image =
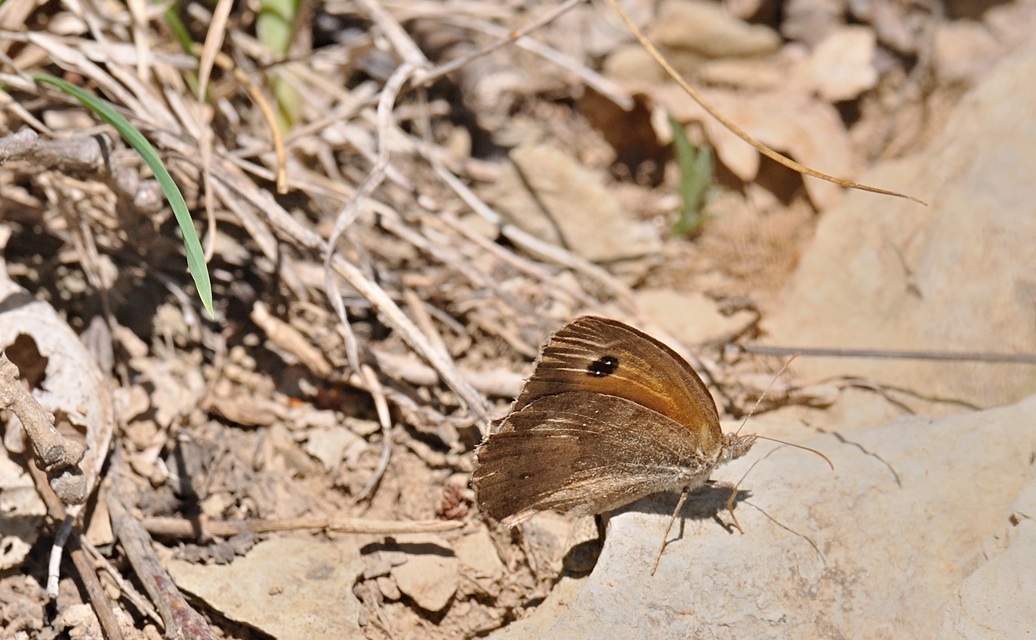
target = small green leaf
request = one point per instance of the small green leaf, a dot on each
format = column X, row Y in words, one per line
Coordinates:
column 696, row 175
column 133, row 137
column 274, row 27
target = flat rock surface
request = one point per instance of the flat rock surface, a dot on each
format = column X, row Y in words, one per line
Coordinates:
column 922, row 530
column 288, row 588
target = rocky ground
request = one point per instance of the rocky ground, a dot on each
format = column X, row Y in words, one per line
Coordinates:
column 295, row 475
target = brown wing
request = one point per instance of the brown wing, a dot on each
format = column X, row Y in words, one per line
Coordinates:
column 583, row 452
column 611, row 358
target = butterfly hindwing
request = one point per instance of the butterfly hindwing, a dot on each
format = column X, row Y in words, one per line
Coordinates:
column 559, row 453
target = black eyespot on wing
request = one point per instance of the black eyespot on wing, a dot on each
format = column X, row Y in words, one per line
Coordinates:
column 603, row 366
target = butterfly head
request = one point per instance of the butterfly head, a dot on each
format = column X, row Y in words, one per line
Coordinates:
column 735, row 446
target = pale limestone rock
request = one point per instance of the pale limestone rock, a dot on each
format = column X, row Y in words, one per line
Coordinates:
column 288, row 588
column 884, row 273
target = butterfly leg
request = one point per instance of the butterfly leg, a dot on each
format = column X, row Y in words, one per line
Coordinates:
column 730, row 508
column 665, row 536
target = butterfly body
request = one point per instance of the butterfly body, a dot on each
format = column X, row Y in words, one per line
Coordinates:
column 610, row 415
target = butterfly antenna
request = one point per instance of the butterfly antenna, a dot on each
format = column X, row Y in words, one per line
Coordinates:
column 733, row 493
column 798, row 446
column 765, row 391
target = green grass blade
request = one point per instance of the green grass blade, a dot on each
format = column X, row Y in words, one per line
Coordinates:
column 192, row 247
column 172, row 19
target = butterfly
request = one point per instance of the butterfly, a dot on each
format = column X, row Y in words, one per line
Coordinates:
column 610, row 415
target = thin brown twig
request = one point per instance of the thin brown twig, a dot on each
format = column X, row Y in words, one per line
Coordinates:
column 425, row 79
column 58, row 456
column 423, row 319
column 396, row 34
column 290, row 339
column 891, row 354
column 98, row 599
column 185, row 529
column 141, row 39
column 538, row 248
column 374, row 387
column 351, row 210
column 181, row 621
column 213, row 42
column 128, row 591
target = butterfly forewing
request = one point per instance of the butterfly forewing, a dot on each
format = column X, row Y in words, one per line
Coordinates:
column 610, row 358
column 559, row 453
